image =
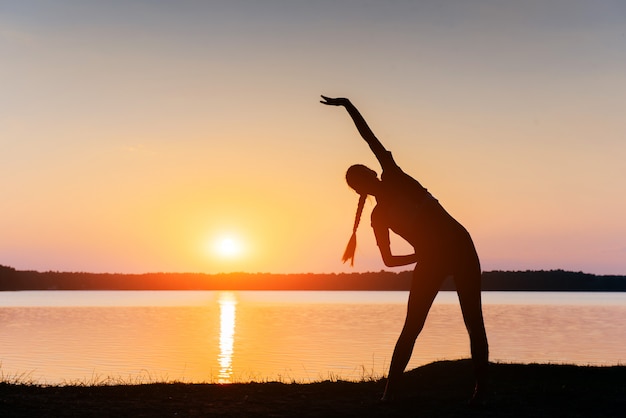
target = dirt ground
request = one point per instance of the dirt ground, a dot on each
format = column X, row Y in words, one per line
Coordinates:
column 440, row 389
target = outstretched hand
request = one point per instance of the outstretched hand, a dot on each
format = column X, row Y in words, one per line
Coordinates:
column 339, row 101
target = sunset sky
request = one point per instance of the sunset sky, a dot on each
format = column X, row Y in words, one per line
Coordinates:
column 137, row 135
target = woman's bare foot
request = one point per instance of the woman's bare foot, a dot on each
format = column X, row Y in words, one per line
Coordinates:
column 478, row 398
column 387, row 394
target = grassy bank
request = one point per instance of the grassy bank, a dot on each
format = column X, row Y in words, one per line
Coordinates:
column 439, row 389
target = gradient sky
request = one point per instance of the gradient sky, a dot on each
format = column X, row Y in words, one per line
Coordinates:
column 136, row 133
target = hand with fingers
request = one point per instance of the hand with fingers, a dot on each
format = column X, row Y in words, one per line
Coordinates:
column 339, row 101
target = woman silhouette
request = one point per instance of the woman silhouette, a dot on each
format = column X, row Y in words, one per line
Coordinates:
column 442, row 248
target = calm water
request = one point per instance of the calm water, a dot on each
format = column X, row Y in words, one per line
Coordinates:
column 201, row 336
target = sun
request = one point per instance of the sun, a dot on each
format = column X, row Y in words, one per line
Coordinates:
column 228, row 246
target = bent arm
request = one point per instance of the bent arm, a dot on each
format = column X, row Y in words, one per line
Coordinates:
column 391, row 260
column 384, row 245
column 366, row 133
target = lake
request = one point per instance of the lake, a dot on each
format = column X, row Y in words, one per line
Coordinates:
column 91, row 337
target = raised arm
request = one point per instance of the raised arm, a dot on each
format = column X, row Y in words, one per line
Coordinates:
column 366, row 133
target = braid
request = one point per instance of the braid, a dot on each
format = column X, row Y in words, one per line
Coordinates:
column 351, row 247
column 359, row 211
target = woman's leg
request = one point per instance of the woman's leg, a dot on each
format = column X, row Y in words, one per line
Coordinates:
column 424, row 287
column 467, row 280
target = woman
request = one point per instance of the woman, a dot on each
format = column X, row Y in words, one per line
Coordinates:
column 442, row 248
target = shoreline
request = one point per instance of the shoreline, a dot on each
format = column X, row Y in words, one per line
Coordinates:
column 539, row 280
column 436, row 389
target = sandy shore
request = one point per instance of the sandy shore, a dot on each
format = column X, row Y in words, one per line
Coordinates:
column 440, row 389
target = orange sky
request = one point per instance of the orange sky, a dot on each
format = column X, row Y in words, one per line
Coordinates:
column 135, row 136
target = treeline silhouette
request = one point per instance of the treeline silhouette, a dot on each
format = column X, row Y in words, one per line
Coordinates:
column 552, row 280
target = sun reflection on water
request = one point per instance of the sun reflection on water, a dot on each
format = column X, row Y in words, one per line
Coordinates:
column 227, row 302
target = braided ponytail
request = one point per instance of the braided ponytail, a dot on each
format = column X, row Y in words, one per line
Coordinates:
column 351, row 247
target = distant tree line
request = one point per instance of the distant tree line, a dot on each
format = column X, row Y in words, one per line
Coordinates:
column 552, row 280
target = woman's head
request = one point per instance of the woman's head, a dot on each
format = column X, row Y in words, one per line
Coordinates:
column 362, row 179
